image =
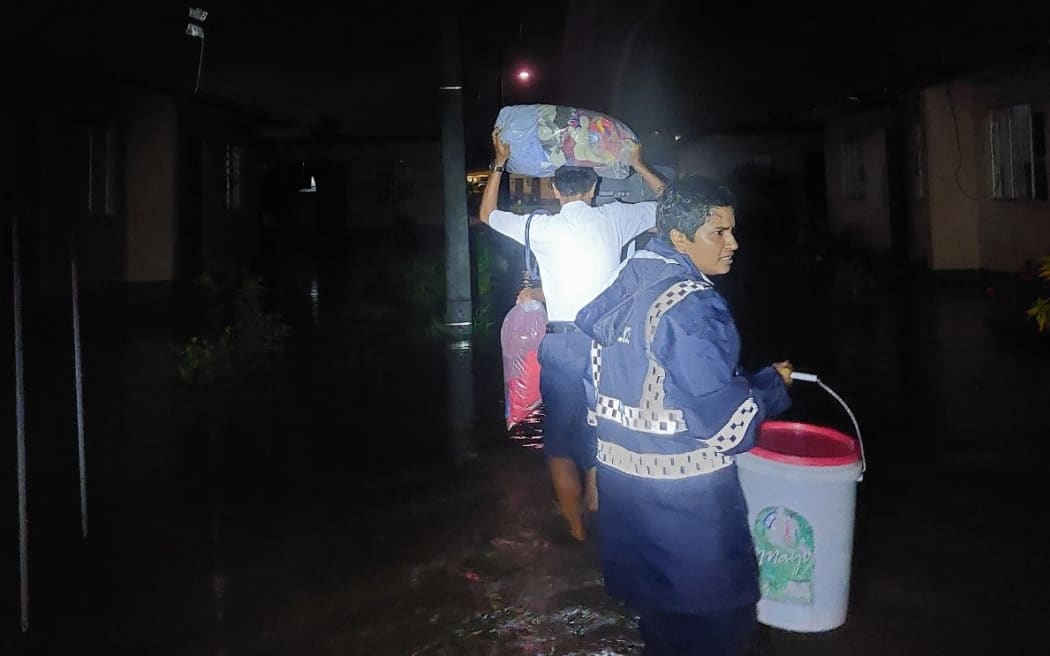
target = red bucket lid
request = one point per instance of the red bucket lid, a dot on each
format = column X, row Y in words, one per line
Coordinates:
column 805, row 444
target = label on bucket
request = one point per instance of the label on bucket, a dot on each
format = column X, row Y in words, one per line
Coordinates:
column 784, row 546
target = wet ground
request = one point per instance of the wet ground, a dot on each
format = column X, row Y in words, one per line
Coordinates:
column 366, row 499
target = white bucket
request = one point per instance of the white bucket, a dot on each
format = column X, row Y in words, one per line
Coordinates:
column 800, row 483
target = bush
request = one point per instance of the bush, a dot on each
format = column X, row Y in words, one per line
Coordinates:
column 238, row 334
column 1039, row 311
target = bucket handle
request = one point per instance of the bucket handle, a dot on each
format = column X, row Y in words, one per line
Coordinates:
column 812, row 378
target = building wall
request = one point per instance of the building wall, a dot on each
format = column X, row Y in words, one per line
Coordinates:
column 953, row 181
column 528, row 189
column 396, row 181
column 969, row 228
column 384, row 181
column 724, row 156
column 209, row 232
column 959, row 226
column 63, row 217
column 866, row 217
column 921, row 230
column 229, row 235
column 62, row 204
column 151, row 158
column 1009, row 231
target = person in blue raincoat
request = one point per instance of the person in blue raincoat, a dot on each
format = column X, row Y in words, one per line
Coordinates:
column 673, row 407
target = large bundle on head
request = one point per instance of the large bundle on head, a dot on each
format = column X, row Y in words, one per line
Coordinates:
column 545, row 137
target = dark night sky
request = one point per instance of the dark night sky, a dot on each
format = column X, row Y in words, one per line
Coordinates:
column 679, row 67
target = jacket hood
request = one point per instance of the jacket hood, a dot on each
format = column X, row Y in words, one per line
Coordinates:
column 607, row 315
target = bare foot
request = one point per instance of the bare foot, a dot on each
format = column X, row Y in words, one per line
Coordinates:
column 577, row 531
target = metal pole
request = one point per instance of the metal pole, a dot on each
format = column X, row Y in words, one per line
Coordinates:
column 458, row 310
column 20, row 420
column 78, row 370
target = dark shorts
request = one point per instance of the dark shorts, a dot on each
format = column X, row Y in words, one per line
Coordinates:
column 722, row 633
column 563, row 364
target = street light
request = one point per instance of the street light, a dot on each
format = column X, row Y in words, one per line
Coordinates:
column 523, row 76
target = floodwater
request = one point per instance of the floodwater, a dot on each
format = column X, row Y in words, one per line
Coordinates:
column 365, row 497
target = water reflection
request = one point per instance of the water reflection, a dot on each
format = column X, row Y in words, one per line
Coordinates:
column 217, row 547
column 208, row 540
column 529, row 431
column 315, row 301
column 459, row 358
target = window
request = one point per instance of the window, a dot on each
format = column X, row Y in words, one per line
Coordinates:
column 853, row 169
column 233, row 200
column 918, row 161
column 1018, row 149
column 102, row 170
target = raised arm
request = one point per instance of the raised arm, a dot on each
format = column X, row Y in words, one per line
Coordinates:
column 651, row 179
column 490, row 197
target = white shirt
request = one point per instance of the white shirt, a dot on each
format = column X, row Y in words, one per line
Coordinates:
column 578, row 248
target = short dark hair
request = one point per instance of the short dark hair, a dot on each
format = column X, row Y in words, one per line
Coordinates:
column 687, row 203
column 574, row 180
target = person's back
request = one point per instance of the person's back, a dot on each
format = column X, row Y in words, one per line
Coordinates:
column 577, row 250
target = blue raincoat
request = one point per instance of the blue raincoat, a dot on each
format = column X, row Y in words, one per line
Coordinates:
column 672, row 408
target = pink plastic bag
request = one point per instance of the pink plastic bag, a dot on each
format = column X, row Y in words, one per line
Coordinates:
column 523, row 328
